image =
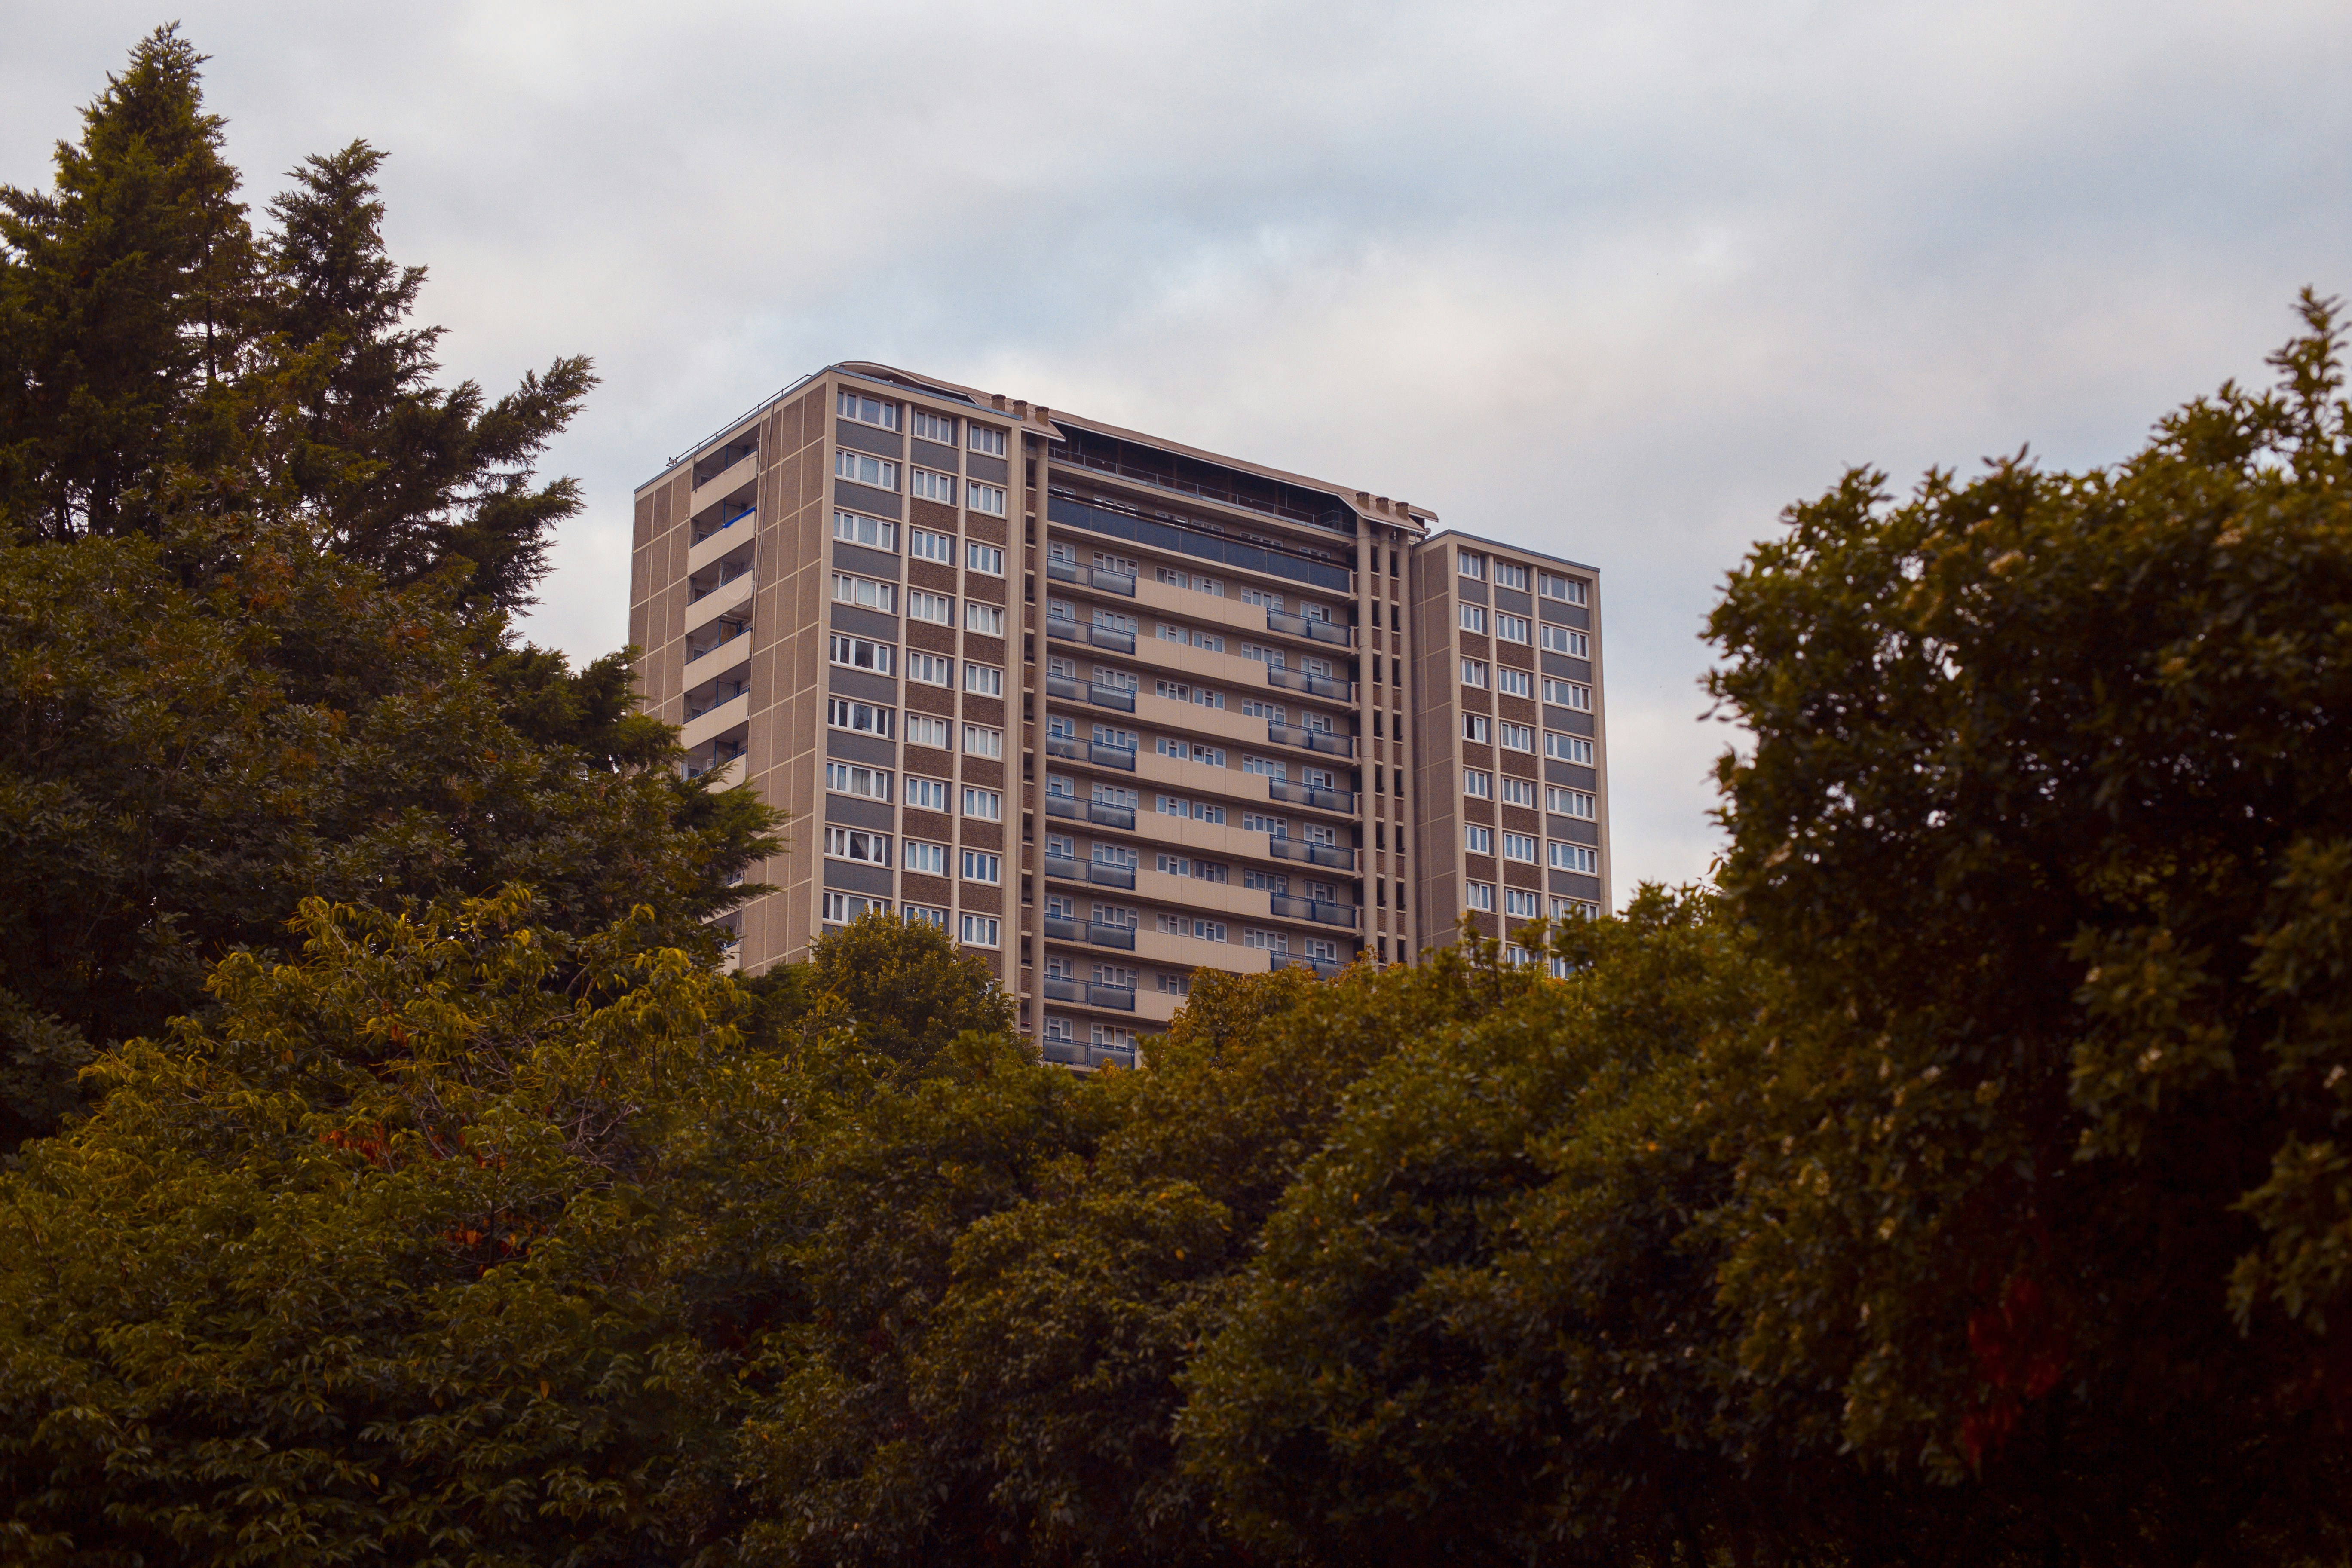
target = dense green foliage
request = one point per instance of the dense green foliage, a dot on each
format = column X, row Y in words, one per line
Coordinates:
column 253, row 572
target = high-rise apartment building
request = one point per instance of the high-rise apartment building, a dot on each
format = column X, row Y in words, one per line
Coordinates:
column 1108, row 708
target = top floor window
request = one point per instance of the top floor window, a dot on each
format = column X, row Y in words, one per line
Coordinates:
column 984, row 439
column 868, row 410
column 940, row 427
column 1473, row 566
column 1509, row 576
column 1568, row 590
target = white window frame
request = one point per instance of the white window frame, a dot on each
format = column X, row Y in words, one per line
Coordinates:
column 865, row 593
column 930, row 544
column 981, row 931
column 860, row 409
column 1479, row 896
column 858, row 718
column 985, row 439
column 987, row 559
column 1477, row 729
column 1509, row 627
column 1477, row 784
column 857, row 779
column 929, row 484
column 864, row 468
column 1474, row 673
column 1477, row 838
column 881, row 658
column 1474, row 619
column 981, row 740
column 984, row 679
column 983, row 867
column 845, row 844
column 929, row 669
column 983, row 804
column 938, row 428
column 883, row 534
column 983, row 497
column 987, row 620
column 926, row 786
column 921, row 603
column 926, row 730
column 924, row 856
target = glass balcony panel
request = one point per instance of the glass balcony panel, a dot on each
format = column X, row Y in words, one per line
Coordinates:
column 1120, row 997
column 1107, row 756
column 1103, row 935
column 1109, row 876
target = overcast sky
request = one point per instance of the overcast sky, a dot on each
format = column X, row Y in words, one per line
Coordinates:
column 1617, row 281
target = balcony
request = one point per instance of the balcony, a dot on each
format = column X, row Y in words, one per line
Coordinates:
column 1300, row 626
column 1103, row 874
column 725, row 577
column 1061, row 928
column 1062, row 686
column 1102, row 814
column 1095, row 577
column 1119, row 997
column 1059, row 988
column 1291, row 960
column 1062, row 806
column 1314, row 910
column 1101, row 636
column 1311, row 740
column 1065, row 867
column 1321, row 799
column 1313, row 685
column 1068, row 746
column 1329, row 855
column 727, row 632
column 1104, row 756
column 1120, row 697
column 747, row 514
column 1104, row 935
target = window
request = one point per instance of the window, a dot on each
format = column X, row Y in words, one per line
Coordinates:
column 927, row 794
column 1518, row 737
column 843, row 908
column 978, row 866
column 984, row 679
column 1519, row 846
column 1474, row 673
column 864, row 718
column 929, row 669
column 1521, row 904
column 1568, row 694
column 863, row 653
column 856, row 843
column 1518, row 792
column 1474, row 619
column 986, row 558
column 1254, row 709
column 1478, row 786
column 1117, row 975
column 1199, row 696
column 848, row 778
column 927, row 913
column 990, row 498
column 1117, row 565
column 1209, row 640
column 1175, row 985
column 1113, row 1036
column 1058, row 1032
column 1258, row 596
column 940, row 427
column 874, row 532
column 1272, row 658
column 985, row 804
column 1112, row 621
column 1514, row 682
column 1208, row 931
column 979, row 741
column 1174, row 805
column 1506, row 575
column 1477, row 839
column 1561, row 639
column 1271, row 826
column 1473, row 566
column 1480, row 895
column 1581, row 857
column 868, row 410
column 930, row 859
column 865, row 593
column 1265, row 941
column 1510, row 627
column 1112, row 736
column 1514, row 953
column 936, row 608
column 1568, row 590
column 1571, row 803
column 988, row 620
column 1265, row 766
column 1475, row 727
column 1199, row 584
column 861, row 468
column 922, row 729
column 984, row 439
column 981, row 931
column 1115, row 855
column 924, row 544
column 1562, row 748
column 925, row 485
column 1267, row 881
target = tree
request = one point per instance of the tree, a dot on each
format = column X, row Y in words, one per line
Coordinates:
column 2044, row 821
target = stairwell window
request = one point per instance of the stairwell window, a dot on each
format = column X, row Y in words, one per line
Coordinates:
column 864, row 468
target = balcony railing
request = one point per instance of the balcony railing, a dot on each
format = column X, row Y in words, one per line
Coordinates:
column 1316, row 910
column 1104, row 874
column 1120, row 697
column 1068, row 746
column 725, row 577
column 1097, row 577
column 1064, row 867
column 1062, row 686
column 1101, row 636
column 1300, row 626
column 1313, row 685
column 1104, row 935
column 1062, row 806
column 725, row 637
column 1323, row 799
column 1058, row 989
column 1104, row 756
column 1292, row 961
column 1105, row 814
column 1061, row 928
column 1120, row 997
column 745, row 515
column 1312, row 739
column 1329, row 855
